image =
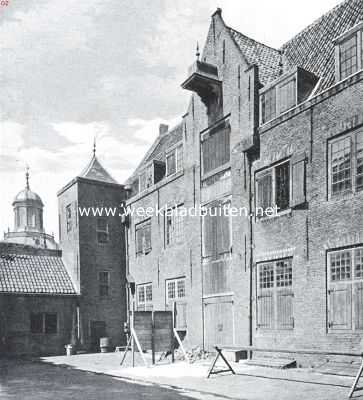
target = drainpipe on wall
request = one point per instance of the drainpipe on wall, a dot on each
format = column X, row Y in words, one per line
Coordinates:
column 250, row 330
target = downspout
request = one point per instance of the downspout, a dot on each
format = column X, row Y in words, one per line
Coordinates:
column 250, row 330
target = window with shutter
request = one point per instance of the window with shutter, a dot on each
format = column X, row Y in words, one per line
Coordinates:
column 275, row 295
column 282, row 186
column 215, row 149
column 216, row 236
column 273, row 188
column 345, row 289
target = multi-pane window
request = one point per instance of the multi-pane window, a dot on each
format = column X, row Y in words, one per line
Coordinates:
column 346, row 163
column 345, row 289
column 215, row 148
column 104, row 284
column 69, row 217
column 174, row 225
column 273, row 187
column 268, row 105
column 275, row 295
column 143, row 237
column 44, row 323
column 174, row 160
column 144, row 297
column 348, row 57
column 287, row 95
column 350, row 52
column 102, row 230
column 175, row 289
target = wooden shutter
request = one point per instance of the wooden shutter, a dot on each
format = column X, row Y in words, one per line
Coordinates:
column 265, row 309
column 147, row 237
column 285, row 316
column 223, row 233
column 358, row 305
column 340, row 306
column 139, row 239
column 297, row 174
column 209, row 235
column 264, row 190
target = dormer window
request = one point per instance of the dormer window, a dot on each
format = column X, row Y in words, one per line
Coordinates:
column 285, row 93
column 349, row 52
column 348, row 57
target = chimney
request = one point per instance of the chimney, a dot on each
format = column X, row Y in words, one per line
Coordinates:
column 163, row 129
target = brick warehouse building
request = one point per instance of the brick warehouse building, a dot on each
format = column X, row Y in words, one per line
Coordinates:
column 264, row 127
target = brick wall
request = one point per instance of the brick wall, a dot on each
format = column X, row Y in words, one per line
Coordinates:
column 307, row 234
column 80, row 247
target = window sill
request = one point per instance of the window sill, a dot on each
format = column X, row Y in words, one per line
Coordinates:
column 287, row 212
column 216, row 171
column 347, row 195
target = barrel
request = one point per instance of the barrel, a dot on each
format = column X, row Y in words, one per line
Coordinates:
column 105, row 344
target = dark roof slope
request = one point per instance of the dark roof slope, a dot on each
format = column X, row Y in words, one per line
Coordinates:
column 313, row 48
column 256, row 53
column 38, row 273
column 96, row 171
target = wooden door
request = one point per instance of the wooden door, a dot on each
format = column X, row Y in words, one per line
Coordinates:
column 97, row 330
column 340, row 306
column 218, row 324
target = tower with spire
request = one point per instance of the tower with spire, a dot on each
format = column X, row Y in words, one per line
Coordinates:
column 28, row 220
column 93, row 250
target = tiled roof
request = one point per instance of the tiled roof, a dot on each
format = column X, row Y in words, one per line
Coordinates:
column 96, row 171
column 157, row 150
column 34, row 274
column 259, row 54
column 313, row 48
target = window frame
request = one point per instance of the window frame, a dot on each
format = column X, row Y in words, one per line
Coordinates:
column 357, row 32
column 69, row 222
column 44, row 329
column 177, row 297
column 177, row 151
column 276, row 88
column 220, row 128
column 105, row 232
column 271, row 170
column 353, row 137
column 273, row 289
column 141, row 226
column 351, row 283
column 147, row 302
column 102, row 285
column 148, row 171
column 174, row 236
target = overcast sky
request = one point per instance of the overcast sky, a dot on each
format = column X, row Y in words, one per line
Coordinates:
column 74, row 69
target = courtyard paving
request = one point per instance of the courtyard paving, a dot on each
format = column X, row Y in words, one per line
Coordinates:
column 250, row 382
